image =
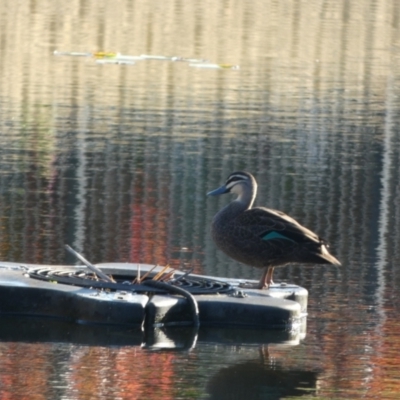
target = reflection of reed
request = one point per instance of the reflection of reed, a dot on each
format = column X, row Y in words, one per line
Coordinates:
column 312, row 47
column 154, row 190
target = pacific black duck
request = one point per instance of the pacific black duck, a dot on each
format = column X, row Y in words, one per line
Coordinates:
column 262, row 237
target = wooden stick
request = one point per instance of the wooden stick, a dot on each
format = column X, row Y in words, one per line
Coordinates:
column 94, row 269
column 160, row 274
column 168, row 275
column 137, row 279
column 183, row 275
column 147, row 273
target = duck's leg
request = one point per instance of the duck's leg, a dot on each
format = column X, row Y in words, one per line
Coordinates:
column 266, row 278
column 264, row 282
column 270, row 273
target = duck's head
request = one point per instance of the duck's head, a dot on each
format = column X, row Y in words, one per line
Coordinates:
column 241, row 183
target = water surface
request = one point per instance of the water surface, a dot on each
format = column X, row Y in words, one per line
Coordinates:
column 116, row 160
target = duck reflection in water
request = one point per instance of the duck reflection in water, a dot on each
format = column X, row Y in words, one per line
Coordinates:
column 261, row 380
column 262, row 237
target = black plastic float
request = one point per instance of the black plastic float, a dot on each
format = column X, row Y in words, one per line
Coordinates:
column 74, row 294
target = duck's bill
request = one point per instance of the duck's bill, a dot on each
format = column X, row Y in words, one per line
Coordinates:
column 221, row 190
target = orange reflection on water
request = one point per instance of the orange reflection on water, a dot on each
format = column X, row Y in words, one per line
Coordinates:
column 25, row 371
column 126, row 373
column 385, row 361
column 355, row 346
column 148, row 241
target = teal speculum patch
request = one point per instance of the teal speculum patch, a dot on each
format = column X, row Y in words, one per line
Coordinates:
column 275, row 235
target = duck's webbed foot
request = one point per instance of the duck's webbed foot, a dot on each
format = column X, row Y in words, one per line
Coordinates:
column 265, row 281
column 251, row 285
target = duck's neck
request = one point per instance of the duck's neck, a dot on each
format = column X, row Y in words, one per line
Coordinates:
column 246, row 198
column 242, row 203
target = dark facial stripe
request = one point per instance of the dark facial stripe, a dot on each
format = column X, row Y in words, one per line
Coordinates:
column 236, row 178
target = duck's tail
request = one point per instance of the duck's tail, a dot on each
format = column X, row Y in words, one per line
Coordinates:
column 320, row 255
column 328, row 257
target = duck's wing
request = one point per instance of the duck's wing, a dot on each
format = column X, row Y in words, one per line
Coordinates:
column 270, row 237
column 268, row 225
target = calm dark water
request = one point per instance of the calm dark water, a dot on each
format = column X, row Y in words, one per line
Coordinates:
column 116, row 161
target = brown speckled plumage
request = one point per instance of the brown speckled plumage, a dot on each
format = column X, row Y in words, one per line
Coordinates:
column 261, row 237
